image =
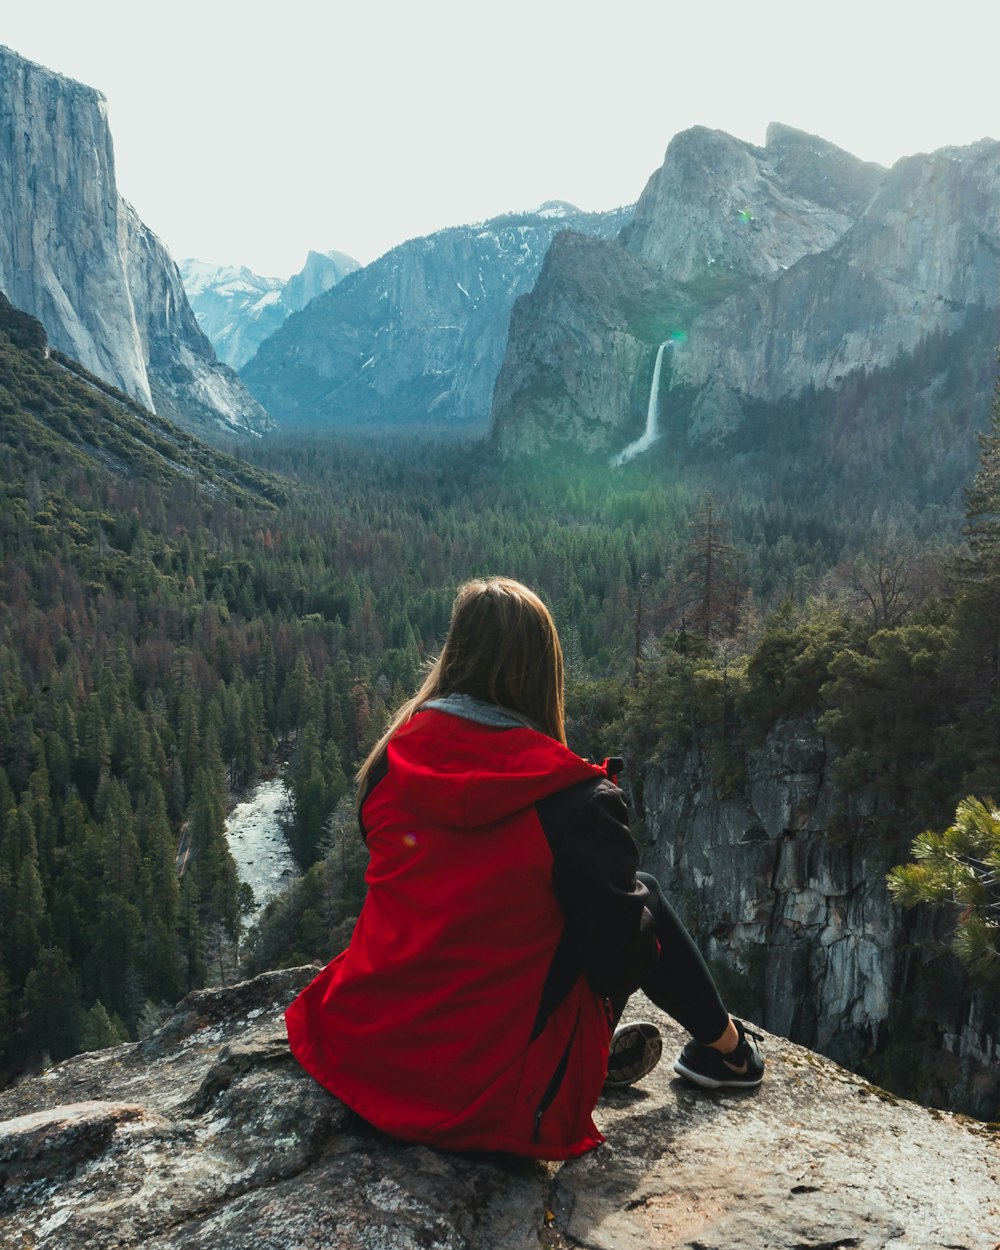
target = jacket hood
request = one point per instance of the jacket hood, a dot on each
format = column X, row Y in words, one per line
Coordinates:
column 462, row 773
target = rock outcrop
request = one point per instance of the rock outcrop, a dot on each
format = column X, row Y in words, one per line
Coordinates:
column 802, row 268
column 321, row 271
column 416, row 338
column 923, row 254
column 719, row 202
column 592, row 332
column 74, row 254
column 779, row 873
column 208, row 1134
column 238, row 309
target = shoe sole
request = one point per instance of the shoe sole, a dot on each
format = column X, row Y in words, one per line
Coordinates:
column 632, row 1035
column 709, row 1082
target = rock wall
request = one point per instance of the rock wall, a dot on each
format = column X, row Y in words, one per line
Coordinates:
column 717, row 202
column 75, row 255
column 792, row 267
column 60, row 254
column 187, row 382
column 417, row 337
column 720, row 217
column 209, row 1135
column 593, row 323
column 777, row 875
column 925, row 250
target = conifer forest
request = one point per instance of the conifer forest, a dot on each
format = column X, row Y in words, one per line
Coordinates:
column 167, row 638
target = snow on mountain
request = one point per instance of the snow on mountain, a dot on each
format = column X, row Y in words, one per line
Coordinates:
column 238, row 309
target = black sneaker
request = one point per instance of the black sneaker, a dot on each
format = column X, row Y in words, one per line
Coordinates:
column 742, row 1068
column 635, row 1050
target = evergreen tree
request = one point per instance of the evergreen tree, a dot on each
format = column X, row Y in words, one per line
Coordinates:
column 50, row 1006
column 959, row 870
column 99, row 1030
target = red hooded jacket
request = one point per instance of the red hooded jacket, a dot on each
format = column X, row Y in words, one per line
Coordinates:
column 469, row 1010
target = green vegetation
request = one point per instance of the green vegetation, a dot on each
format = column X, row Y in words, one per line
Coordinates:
column 173, row 620
column 960, row 869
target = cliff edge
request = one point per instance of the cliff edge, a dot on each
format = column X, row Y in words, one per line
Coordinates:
column 208, row 1134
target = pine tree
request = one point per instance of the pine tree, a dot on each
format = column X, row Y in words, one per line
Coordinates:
column 959, row 870
column 51, row 1006
column 100, row 1030
column 977, row 613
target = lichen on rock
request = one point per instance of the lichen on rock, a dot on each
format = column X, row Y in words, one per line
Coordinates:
column 208, row 1134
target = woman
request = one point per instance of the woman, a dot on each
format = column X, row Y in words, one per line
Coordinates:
column 504, row 925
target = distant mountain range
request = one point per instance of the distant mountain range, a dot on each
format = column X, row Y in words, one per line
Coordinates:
column 238, row 309
column 416, row 338
column 779, row 273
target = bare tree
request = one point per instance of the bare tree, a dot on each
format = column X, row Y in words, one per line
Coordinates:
column 710, row 593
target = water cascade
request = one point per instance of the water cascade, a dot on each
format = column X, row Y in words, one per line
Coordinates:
column 257, row 842
column 651, row 432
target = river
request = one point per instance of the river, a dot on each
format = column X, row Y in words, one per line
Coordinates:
column 253, row 829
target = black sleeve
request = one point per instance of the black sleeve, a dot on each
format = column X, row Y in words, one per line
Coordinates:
column 593, row 875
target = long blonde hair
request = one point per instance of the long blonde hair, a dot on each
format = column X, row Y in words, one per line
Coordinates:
column 502, row 647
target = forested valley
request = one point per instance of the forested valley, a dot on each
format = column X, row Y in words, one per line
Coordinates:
column 168, row 635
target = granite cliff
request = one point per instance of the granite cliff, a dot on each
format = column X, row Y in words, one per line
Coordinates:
column 783, row 876
column 783, row 271
column 75, row 255
column 208, row 1134
column 417, row 337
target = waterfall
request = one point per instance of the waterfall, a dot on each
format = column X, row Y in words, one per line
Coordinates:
column 651, row 432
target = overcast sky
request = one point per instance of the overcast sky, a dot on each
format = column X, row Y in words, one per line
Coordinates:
column 248, row 133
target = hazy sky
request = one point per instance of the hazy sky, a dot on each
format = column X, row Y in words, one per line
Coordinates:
column 247, row 133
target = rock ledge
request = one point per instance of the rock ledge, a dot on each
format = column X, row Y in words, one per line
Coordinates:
column 209, row 1135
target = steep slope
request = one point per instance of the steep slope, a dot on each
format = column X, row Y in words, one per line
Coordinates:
column 592, row 322
column 417, row 337
column 922, row 258
column 719, row 202
column 75, row 255
column 238, row 309
column 56, row 418
column 321, row 271
column 720, row 216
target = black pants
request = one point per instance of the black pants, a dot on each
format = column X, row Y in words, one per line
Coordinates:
column 680, row 984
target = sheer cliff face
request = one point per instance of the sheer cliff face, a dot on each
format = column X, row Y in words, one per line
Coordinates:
column 720, row 217
column 418, row 336
column 719, row 202
column 925, row 251
column 60, row 254
column 795, row 910
column 74, row 255
column 800, row 265
column 588, row 321
column 186, row 380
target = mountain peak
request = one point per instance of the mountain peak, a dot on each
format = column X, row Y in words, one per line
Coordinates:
column 556, row 208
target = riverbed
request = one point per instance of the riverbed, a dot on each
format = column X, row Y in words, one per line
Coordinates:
column 253, row 829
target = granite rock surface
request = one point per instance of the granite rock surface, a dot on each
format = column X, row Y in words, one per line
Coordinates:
column 208, row 1134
